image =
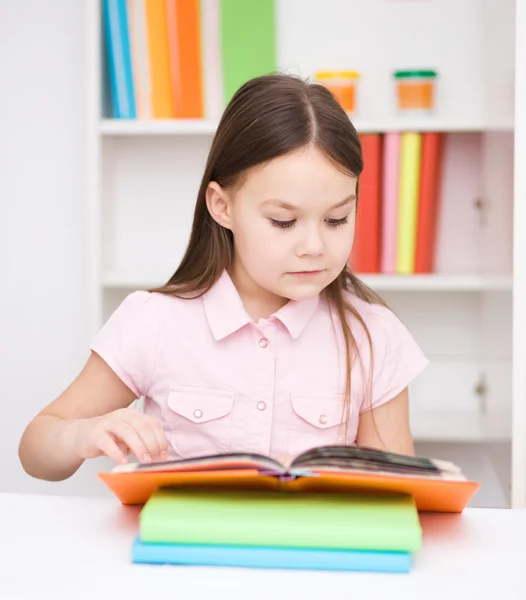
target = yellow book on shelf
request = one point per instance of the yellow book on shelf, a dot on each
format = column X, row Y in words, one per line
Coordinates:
column 161, row 90
column 409, row 181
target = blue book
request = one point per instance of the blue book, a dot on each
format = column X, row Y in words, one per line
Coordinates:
column 270, row 558
column 119, row 59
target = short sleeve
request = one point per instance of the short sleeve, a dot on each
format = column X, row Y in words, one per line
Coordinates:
column 127, row 341
column 397, row 358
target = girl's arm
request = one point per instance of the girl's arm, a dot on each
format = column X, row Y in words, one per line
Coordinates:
column 387, row 427
column 90, row 418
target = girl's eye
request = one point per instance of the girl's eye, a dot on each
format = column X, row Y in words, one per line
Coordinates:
column 282, row 224
column 337, row 222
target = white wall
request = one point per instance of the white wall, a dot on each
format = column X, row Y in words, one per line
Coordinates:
column 42, row 162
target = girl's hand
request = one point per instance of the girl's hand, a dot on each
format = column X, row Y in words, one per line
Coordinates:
column 119, row 433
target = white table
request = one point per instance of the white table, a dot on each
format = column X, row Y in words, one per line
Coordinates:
column 70, row 547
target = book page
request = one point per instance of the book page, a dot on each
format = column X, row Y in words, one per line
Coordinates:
column 217, row 462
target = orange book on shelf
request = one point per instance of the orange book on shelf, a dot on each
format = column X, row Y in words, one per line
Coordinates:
column 158, row 48
column 184, row 34
column 436, row 486
column 428, row 201
column 365, row 253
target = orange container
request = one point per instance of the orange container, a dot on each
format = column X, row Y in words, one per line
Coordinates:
column 343, row 85
column 415, row 90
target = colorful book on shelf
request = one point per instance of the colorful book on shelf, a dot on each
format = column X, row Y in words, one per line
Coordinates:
column 435, row 485
column 389, row 211
column 119, row 59
column 211, row 53
column 140, row 60
column 159, row 59
column 428, row 201
column 271, row 558
column 408, row 191
column 248, row 42
column 365, row 253
column 184, row 35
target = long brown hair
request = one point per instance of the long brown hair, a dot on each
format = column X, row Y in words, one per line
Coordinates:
column 268, row 117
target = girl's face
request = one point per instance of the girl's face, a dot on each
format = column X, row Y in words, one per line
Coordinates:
column 293, row 223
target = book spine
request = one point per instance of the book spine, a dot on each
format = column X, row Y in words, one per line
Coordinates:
column 391, row 166
column 188, row 104
column 248, row 42
column 158, row 46
column 365, row 253
column 408, row 201
column 428, row 202
column 213, row 89
column 119, row 59
column 274, row 558
column 139, row 51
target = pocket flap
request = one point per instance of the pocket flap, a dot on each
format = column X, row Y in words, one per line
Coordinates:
column 320, row 410
column 200, row 405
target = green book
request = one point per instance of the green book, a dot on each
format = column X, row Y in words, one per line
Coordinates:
column 248, row 42
column 274, row 519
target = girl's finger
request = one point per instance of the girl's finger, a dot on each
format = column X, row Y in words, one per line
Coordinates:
column 162, row 442
column 146, row 432
column 110, row 448
column 127, row 434
column 123, row 447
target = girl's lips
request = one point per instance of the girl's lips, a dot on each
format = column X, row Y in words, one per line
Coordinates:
column 305, row 273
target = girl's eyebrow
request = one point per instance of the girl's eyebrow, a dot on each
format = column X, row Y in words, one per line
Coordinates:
column 286, row 205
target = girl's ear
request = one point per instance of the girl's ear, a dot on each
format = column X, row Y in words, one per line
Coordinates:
column 218, row 204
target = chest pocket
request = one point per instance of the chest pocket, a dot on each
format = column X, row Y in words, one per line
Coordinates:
column 200, row 420
column 316, row 420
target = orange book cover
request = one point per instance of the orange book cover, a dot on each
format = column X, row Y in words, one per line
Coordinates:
column 449, row 492
column 159, row 54
column 184, row 33
column 365, row 253
column 429, row 495
column 428, row 200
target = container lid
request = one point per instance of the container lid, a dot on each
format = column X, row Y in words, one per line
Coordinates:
column 337, row 74
column 415, row 73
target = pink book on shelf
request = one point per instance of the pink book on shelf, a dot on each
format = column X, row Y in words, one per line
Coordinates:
column 391, row 163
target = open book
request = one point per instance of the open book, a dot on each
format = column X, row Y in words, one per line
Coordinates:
column 435, row 484
column 326, row 458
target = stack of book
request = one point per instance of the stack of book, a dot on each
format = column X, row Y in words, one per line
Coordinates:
column 331, row 507
column 279, row 530
column 398, row 211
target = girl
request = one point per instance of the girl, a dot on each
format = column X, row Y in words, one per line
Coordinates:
column 262, row 340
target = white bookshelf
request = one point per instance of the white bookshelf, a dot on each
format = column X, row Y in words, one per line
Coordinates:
column 468, row 317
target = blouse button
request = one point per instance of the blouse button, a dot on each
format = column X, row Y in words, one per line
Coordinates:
column 198, row 413
column 263, row 343
column 261, row 405
column 323, row 419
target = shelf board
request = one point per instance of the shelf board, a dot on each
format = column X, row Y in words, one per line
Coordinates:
column 438, row 282
column 173, row 127
column 456, row 426
column 381, row 283
column 160, row 127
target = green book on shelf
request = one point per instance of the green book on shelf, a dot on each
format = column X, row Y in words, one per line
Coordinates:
column 273, row 519
column 248, row 42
